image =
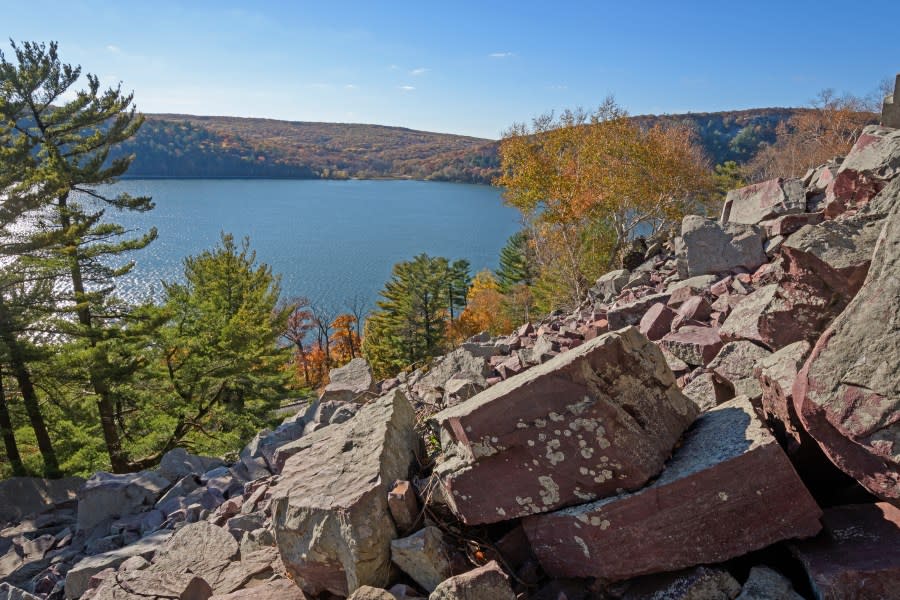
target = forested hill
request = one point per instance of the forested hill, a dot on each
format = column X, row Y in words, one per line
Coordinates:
column 171, row 145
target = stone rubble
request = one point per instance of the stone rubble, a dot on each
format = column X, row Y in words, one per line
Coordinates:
column 672, row 437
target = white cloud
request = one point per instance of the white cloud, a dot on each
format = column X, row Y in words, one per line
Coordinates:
column 113, row 48
column 407, row 88
column 419, row 71
column 393, row 67
column 351, row 86
column 501, row 54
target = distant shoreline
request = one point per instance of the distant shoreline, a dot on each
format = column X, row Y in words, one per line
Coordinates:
column 276, row 178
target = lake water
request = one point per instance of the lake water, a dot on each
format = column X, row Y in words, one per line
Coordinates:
column 330, row 240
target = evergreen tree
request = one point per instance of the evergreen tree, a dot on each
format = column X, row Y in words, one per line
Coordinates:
column 515, row 265
column 68, row 158
column 458, row 282
column 410, row 324
column 223, row 366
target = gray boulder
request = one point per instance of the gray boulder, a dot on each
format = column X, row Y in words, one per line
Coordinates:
column 424, row 556
column 351, row 382
column 706, row 247
column 106, row 495
column 609, row 285
column 21, row 496
column 330, row 510
column 78, row 578
column 8, row 592
column 484, row 583
column 179, row 463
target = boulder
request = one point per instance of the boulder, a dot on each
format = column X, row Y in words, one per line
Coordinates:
column 692, row 286
column 8, row 592
column 404, row 506
column 708, row 391
column 847, row 395
column 764, row 583
column 459, row 364
column 349, row 383
column 755, row 203
column 106, row 496
column 856, row 555
column 79, row 577
column 776, row 316
column 595, row 419
column 657, row 321
column 205, row 550
column 706, row 247
column 179, row 463
column 278, row 589
column 873, row 160
column 631, row 313
column 735, row 363
column 484, row 583
column 699, row 583
column 22, row 496
column 424, row 556
column 776, row 374
column 890, row 108
column 609, row 285
column 367, row 592
column 695, row 345
column 148, row 585
column 330, row 512
column 696, row 308
column 788, row 224
column 728, row 490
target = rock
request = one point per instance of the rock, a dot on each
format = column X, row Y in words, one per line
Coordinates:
column 755, row 203
column 776, row 316
column 695, row 345
column 776, row 374
column 706, row 247
column 368, row 592
column 352, row 382
column 484, row 583
column 8, row 592
column 707, row 391
column 22, row 496
column 78, row 578
column 259, row 454
column 856, row 555
column 460, row 389
column 692, row 286
column 728, row 490
column 207, row 551
column 147, row 585
column 404, row 506
column 847, row 395
column 630, row 313
column 767, row 584
column 424, row 556
column 657, row 321
column 330, row 510
column 178, row 463
column 696, row 308
column 459, row 364
column 597, row 418
column 106, row 495
column 609, row 285
column 735, row 363
column 788, row 224
column 873, row 160
column 279, row 589
column 699, row 583
column 890, row 109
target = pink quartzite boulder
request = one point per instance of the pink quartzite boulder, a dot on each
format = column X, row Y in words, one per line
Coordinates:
column 728, row 490
column 848, row 394
column 657, row 321
column 598, row 419
column 755, row 203
column 856, row 555
column 873, row 160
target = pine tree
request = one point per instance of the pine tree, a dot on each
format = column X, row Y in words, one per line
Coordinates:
column 515, row 265
column 410, row 324
column 68, row 160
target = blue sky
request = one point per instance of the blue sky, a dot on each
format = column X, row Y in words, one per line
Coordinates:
column 466, row 67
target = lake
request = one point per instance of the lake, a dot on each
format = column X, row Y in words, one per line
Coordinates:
column 329, row 240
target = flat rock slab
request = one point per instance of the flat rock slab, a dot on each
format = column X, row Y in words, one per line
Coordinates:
column 754, row 203
column 631, row 313
column 106, row 495
column 79, row 577
column 279, row 589
column 856, row 555
column 330, row 510
column 728, row 490
column 595, row 420
column 146, row 585
column 848, row 393
column 873, row 160
column 21, row 496
column 706, row 247
column 350, row 382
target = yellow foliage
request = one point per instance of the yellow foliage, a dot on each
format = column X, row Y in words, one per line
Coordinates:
column 484, row 310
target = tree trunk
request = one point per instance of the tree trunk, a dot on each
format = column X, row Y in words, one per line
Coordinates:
column 29, row 396
column 9, row 438
column 105, row 402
